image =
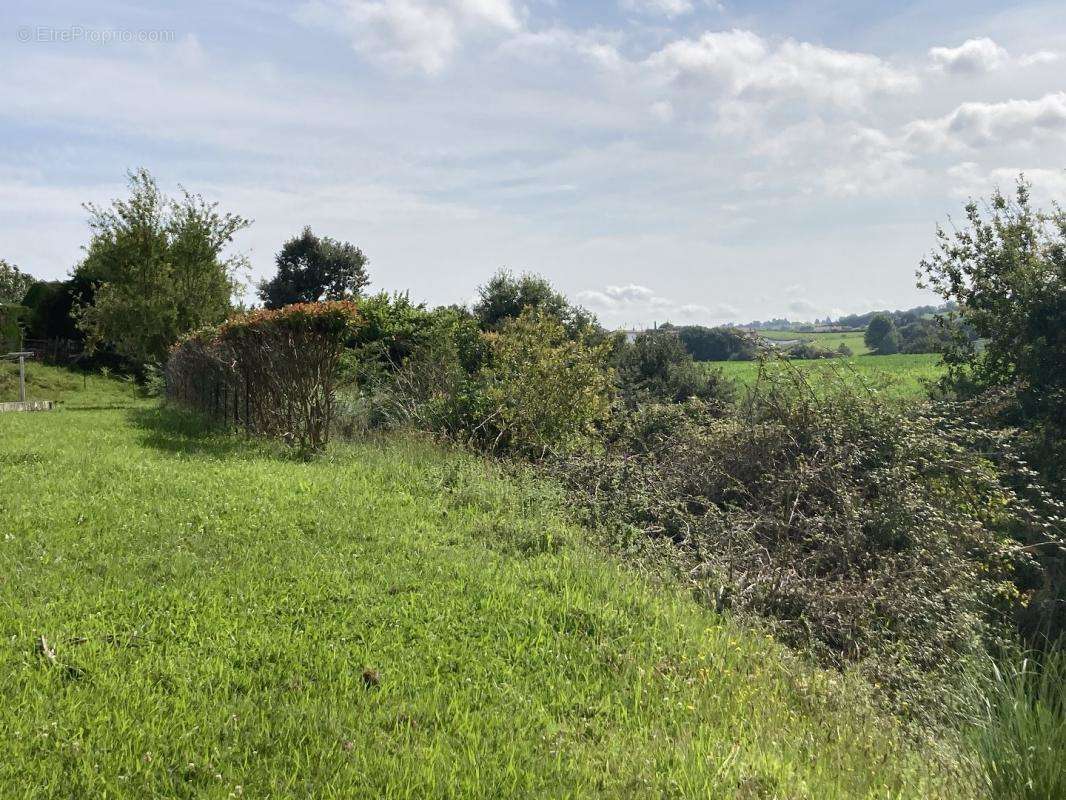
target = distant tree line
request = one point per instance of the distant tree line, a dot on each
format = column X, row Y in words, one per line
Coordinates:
column 715, row 344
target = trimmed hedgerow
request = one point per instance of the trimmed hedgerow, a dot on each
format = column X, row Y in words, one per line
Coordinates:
column 270, row 371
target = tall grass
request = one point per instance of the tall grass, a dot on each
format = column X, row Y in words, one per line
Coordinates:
column 189, row 614
column 1019, row 733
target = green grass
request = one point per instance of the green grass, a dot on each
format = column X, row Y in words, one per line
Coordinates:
column 1021, row 735
column 65, row 387
column 902, row 376
column 213, row 603
column 827, row 341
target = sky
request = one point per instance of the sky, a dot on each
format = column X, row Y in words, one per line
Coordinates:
column 688, row 161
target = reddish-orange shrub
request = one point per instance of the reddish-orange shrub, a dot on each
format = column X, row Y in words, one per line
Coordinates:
column 270, row 372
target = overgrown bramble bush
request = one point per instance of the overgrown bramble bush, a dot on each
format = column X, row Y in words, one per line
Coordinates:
column 271, row 371
column 865, row 533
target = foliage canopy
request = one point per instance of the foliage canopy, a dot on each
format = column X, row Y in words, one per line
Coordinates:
column 311, row 268
column 158, row 269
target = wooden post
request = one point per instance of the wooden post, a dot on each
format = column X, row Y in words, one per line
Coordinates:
column 22, row 356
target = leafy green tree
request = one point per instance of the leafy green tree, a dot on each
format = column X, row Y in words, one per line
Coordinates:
column 311, row 268
column 881, row 335
column 13, row 284
column 157, row 269
column 926, row 335
column 1006, row 270
column 506, row 296
column 717, row 344
column 53, row 306
column 658, row 368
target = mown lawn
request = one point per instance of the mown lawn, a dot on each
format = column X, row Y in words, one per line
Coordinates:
column 392, row 620
column 902, row 376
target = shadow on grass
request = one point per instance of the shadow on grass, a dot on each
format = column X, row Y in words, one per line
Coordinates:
column 177, row 432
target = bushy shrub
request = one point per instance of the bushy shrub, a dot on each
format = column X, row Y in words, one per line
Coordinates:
column 810, row 351
column 271, row 371
column 545, row 389
column 862, row 532
column 531, row 388
column 436, row 385
column 718, row 344
column 657, row 368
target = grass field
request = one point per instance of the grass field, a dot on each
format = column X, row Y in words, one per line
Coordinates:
column 827, row 341
column 392, row 620
column 902, row 376
column 68, row 388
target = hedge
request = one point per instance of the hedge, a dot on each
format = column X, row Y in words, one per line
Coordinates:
column 270, row 372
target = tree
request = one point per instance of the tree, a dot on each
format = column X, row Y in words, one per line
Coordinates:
column 13, row 284
column 658, row 368
column 52, row 306
column 506, row 296
column 313, row 268
column 157, row 268
column 926, row 335
column 1006, row 270
column 717, row 344
column 881, row 335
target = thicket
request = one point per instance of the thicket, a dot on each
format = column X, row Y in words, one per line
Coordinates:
column 716, row 344
column 901, row 540
column 1004, row 268
column 864, row 533
column 271, row 372
column 657, row 367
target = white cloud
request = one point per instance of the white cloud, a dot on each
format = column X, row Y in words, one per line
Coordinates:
column 557, row 44
column 983, row 55
column 1038, row 58
column 662, row 110
column 740, row 63
column 638, row 305
column 972, row 57
column 412, row 35
column 983, row 124
column 667, row 8
column 970, row 179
